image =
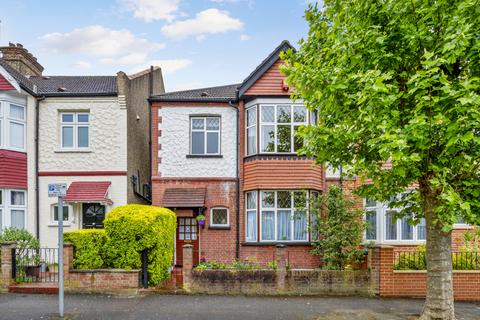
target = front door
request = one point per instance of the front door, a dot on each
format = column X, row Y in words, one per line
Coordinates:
column 187, row 233
column 93, row 215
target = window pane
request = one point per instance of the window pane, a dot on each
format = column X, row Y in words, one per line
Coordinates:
column 371, row 225
column 1, row 197
column 220, row 216
column 300, row 199
column 198, row 143
column 17, row 112
column 284, row 138
column 17, row 133
column 83, row 137
column 284, row 225
column 67, row 137
column 252, row 225
column 268, row 138
column 407, row 229
column 284, row 114
column 213, row 123
column 83, row 117
column 198, row 124
column 300, row 225
column 284, row 199
column 251, row 140
column 17, row 219
column 297, row 140
column 65, row 213
column 67, row 117
column 299, row 114
column 212, row 142
column 268, row 199
column 268, row 113
column 268, row 225
column 1, row 220
column 370, row 202
column 422, row 230
column 251, row 116
column 17, row 198
column 252, row 200
column 391, row 225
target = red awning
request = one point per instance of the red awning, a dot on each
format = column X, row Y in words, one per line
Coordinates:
column 88, row 191
column 184, row 198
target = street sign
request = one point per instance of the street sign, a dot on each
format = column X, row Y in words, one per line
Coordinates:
column 57, row 189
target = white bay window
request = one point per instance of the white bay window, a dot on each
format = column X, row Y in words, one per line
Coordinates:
column 13, row 209
column 12, row 126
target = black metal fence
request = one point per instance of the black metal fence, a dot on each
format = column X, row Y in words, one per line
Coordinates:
column 35, row 265
column 416, row 260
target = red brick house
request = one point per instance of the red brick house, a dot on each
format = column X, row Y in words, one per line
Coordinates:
column 229, row 153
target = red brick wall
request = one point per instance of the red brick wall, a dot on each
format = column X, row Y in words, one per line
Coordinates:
column 297, row 256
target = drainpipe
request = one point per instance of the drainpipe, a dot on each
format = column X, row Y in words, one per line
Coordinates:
column 237, row 200
column 150, row 93
column 37, row 189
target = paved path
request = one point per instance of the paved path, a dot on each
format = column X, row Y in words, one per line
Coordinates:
column 172, row 307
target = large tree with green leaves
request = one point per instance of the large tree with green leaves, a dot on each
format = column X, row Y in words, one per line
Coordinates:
column 397, row 82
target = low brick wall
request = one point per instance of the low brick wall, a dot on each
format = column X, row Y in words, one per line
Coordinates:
column 114, row 281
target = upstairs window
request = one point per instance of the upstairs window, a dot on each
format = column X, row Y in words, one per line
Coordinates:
column 205, row 135
column 12, row 126
column 251, row 130
column 74, row 130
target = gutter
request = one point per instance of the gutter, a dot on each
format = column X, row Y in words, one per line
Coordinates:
column 237, row 198
column 37, row 189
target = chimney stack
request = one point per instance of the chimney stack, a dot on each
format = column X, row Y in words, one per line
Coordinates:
column 16, row 56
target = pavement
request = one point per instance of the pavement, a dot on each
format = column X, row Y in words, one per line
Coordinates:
column 173, row 307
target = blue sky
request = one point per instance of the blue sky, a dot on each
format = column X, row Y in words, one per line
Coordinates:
column 196, row 42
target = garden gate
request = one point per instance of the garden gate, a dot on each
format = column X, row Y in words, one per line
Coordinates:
column 35, row 265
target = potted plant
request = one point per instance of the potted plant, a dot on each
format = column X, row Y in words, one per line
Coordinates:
column 201, row 220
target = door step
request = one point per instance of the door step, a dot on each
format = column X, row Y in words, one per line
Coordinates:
column 34, row 288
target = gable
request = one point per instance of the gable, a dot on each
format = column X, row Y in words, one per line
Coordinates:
column 270, row 83
column 5, row 85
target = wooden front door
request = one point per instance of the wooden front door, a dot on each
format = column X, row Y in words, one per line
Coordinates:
column 187, row 233
column 93, row 215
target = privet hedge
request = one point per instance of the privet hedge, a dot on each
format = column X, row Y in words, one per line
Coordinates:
column 129, row 230
column 89, row 248
column 132, row 229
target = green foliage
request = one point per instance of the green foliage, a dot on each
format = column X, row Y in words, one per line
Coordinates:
column 272, row 265
column 339, row 230
column 243, row 265
column 132, row 229
column 21, row 237
column 89, row 248
column 415, row 260
column 396, row 81
column 210, row 265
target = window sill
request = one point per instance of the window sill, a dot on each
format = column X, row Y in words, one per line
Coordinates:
column 274, row 243
column 55, row 224
column 204, row 156
column 73, row 151
column 219, row 227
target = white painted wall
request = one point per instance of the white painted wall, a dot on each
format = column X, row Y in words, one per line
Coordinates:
column 49, row 229
column 175, row 142
column 108, row 135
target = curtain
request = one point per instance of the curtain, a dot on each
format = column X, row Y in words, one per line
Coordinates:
column 17, row 219
column 300, row 225
column 268, row 225
column 422, row 230
column 252, row 225
column 407, row 229
column 391, row 225
column 17, row 198
column 284, row 225
column 371, row 227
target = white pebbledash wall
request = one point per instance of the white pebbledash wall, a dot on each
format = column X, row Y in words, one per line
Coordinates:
column 175, row 143
column 107, row 152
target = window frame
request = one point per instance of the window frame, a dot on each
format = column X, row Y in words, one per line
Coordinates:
column 205, row 131
column 6, row 121
column 216, row 225
column 7, row 207
column 69, row 215
column 75, row 125
column 255, row 210
column 253, row 126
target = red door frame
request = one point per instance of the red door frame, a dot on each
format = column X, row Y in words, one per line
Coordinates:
column 187, row 233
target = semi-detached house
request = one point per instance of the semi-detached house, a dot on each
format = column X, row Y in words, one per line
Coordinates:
column 230, row 153
column 90, row 132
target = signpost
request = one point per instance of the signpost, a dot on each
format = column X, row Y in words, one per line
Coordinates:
column 59, row 190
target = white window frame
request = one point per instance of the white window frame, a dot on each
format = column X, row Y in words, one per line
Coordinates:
column 247, row 210
column 52, row 210
column 254, row 125
column 2, row 210
column 205, row 130
column 8, row 207
column 75, row 125
column 6, row 120
column 216, row 224
column 275, row 123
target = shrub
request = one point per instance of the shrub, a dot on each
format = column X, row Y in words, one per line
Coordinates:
column 134, row 228
column 21, row 237
column 210, row 265
column 415, row 260
column 89, row 248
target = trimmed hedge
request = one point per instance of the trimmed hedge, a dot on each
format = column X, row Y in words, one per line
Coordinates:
column 134, row 228
column 89, row 248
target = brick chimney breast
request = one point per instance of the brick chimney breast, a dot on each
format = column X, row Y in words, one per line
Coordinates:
column 21, row 60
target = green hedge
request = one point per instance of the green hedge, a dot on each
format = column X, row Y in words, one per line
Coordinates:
column 89, row 248
column 132, row 229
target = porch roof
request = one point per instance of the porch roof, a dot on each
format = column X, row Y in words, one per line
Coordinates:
column 88, row 191
column 184, row 197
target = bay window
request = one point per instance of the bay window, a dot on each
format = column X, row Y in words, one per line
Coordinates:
column 74, row 130
column 12, row 126
column 13, row 208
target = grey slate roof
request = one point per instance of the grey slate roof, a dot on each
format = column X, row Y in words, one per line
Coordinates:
column 23, row 81
column 211, row 94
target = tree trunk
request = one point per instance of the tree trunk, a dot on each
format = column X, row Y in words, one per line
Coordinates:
column 439, row 300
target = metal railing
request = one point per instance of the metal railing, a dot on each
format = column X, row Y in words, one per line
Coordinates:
column 35, row 265
column 416, row 260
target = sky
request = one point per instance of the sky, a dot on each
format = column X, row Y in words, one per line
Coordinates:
column 198, row 43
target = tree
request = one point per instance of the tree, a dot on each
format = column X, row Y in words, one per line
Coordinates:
column 396, row 87
column 339, row 230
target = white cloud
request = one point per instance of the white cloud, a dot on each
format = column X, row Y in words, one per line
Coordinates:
column 81, row 65
column 168, row 66
column 209, row 21
column 244, row 37
column 98, row 41
column 151, row 10
column 133, row 58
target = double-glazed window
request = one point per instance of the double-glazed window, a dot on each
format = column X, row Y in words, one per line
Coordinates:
column 278, row 127
column 66, row 211
column 13, row 207
column 283, row 216
column 205, row 135
column 12, row 126
column 382, row 224
column 74, row 130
